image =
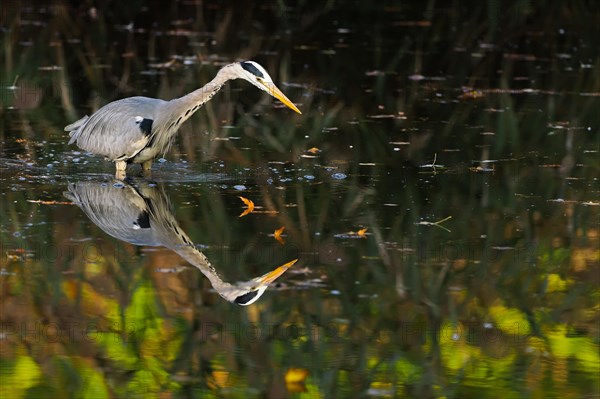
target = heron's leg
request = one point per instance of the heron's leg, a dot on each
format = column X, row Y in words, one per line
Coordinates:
column 120, row 173
column 147, row 165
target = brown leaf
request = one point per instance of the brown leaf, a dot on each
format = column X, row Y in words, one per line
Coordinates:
column 42, row 202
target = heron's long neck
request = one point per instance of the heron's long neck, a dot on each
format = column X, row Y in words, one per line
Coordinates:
column 181, row 109
column 186, row 249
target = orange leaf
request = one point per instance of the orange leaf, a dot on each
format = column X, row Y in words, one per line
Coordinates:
column 249, row 204
column 313, row 150
column 361, row 232
column 277, row 235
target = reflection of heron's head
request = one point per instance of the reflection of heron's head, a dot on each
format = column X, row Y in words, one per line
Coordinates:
column 248, row 292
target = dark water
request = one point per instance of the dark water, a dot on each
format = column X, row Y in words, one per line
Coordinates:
column 440, row 192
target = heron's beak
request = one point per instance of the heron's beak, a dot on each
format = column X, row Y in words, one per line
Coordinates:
column 272, row 276
column 275, row 92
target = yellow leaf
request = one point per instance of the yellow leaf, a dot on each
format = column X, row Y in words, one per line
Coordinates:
column 249, row 205
column 277, row 235
column 220, row 379
column 295, row 376
column 361, row 232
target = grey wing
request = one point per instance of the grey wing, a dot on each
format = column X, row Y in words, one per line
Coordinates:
column 118, row 130
column 121, row 212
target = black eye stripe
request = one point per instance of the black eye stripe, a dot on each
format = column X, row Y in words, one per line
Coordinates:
column 247, row 297
column 252, row 69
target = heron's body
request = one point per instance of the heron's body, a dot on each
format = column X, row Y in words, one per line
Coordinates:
column 138, row 129
column 141, row 215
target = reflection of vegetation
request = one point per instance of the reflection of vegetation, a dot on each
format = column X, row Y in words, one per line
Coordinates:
column 505, row 305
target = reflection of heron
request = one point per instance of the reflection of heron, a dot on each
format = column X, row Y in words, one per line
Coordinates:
column 137, row 129
column 142, row 216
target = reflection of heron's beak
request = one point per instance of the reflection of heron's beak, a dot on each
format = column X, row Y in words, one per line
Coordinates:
column 272, row 276
column 275, row 92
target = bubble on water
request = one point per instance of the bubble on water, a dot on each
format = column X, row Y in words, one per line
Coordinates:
column 309, row 177
column 239, row 187
column 338, row 176
column 162, row 160
column 17, row 234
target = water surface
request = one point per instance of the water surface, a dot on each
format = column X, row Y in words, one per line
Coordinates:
column 440, row 192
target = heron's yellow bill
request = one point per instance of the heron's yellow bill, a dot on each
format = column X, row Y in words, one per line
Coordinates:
column 272, row 276
column 275, row 92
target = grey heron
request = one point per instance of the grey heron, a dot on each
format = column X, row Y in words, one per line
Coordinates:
column 137, row 129
column 141, row 215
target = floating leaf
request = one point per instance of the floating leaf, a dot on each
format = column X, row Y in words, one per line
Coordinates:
column 42, row 202
column 249, row 206
column 277, row 235
column 437, row 224
column 313, row 150
column 219, row 379
column 295, row 375
column 354, row 234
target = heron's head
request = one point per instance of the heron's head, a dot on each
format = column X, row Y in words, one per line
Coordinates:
column 248, row 292
column 258, row 76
